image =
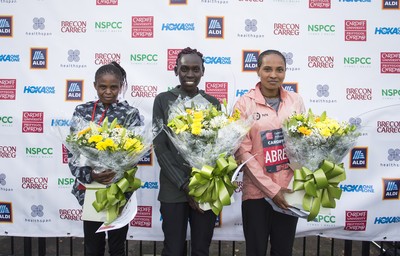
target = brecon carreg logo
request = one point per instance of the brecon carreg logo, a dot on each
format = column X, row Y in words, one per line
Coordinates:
column 106, row 57
column 142, row 26
column 106, row 2
column 39, row 58
column 356, row 220
column 6, row 213
column 359, row 158
column 143, row 217
column 286, row 29
column 389, row 127
column 355, row 30
column 249, row 60
column 390, row 189
column 144, row 91
column 321, row 61
column 74, row 90
column 390, row 4
column 34, row 182
column 70, row 214
column 8, row 151
column 76, row 26
column 6, row 26
column 217, row 89
column 215, row 27
column 32, row 122
column 250, row 28
column 8, row 88
column 172, row 55
column 319, row 4
column 359, row 93
column 390, row 62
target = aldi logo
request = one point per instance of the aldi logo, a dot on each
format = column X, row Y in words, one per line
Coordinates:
column 391, row 189
column 390, row 4
column 249, row 60
column 215, row 27
column 147, row 159
column 359, row 158
column 291, row 87
column 6, row 26
column 177, row 2
column 6, row 212
column 74, row 90
column 39, row 58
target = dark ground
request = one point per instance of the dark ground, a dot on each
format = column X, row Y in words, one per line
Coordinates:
column 145, row 248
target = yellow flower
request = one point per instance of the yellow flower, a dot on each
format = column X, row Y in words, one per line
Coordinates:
column 84, row 131
column 95, row 138
column 196, row 128
column 304, row 130
column 325, row 132
column 198, row 115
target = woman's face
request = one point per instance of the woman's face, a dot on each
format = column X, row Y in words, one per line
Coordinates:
column 271, row 72
column 190, row 70
column 108, row 87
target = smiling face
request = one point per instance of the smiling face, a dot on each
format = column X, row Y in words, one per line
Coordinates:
column 272, row 74
column 190, row 70
column 108, row 87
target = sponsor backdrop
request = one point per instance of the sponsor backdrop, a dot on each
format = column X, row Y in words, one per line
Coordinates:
column 343, row 56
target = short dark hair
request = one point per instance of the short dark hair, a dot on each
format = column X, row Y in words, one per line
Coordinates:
column 115, row 69
column 269, row 52
column 189, row 50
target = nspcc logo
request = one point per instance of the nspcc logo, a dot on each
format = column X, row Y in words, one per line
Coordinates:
column 215, row 27
column 6, row 212
column 6, row 26
column 74, row 90
column 390, row 4
column 249, row 60
column 391, row 189
column 359, row 157
column 39, row 58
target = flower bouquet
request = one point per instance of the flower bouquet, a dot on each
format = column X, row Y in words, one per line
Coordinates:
column 109, row 146
column 315, row 146
column 207, row 139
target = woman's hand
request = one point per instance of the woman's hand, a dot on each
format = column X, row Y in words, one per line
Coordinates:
column 279, row 199
column 105, row 177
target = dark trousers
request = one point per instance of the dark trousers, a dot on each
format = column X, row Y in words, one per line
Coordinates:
column 95, row 243
column 174, row 225
column 261, row 222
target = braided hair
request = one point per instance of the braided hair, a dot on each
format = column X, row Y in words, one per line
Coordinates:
column 189, row 50
column 115, row 69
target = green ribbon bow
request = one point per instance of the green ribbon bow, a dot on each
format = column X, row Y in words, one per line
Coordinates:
column 321, row 186
column 112, row 198
column 213, row 185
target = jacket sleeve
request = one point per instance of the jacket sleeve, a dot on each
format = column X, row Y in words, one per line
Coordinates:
column 170, row 166
column 253, row 169
column 81, row 173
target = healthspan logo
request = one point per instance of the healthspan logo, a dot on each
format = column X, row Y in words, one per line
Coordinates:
column 74, row 90
column 358, row 158
column 289, row 57
column 355, row 30
column 215, row 27
column 249, row 60
column 217, row 89
column 250, row 28
column 392, row 159
column 73, row 58
column 390, row 189
column 6, row 26
column 319, row 4
column 8, row 89
column 142, row 26
column 6, row 212
column 390, row 62
column 216, row 1
column 3, row 183
column 38, row 27
column 323, row 95
column 39, row 58
column 390, row 4
column 37, row 215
